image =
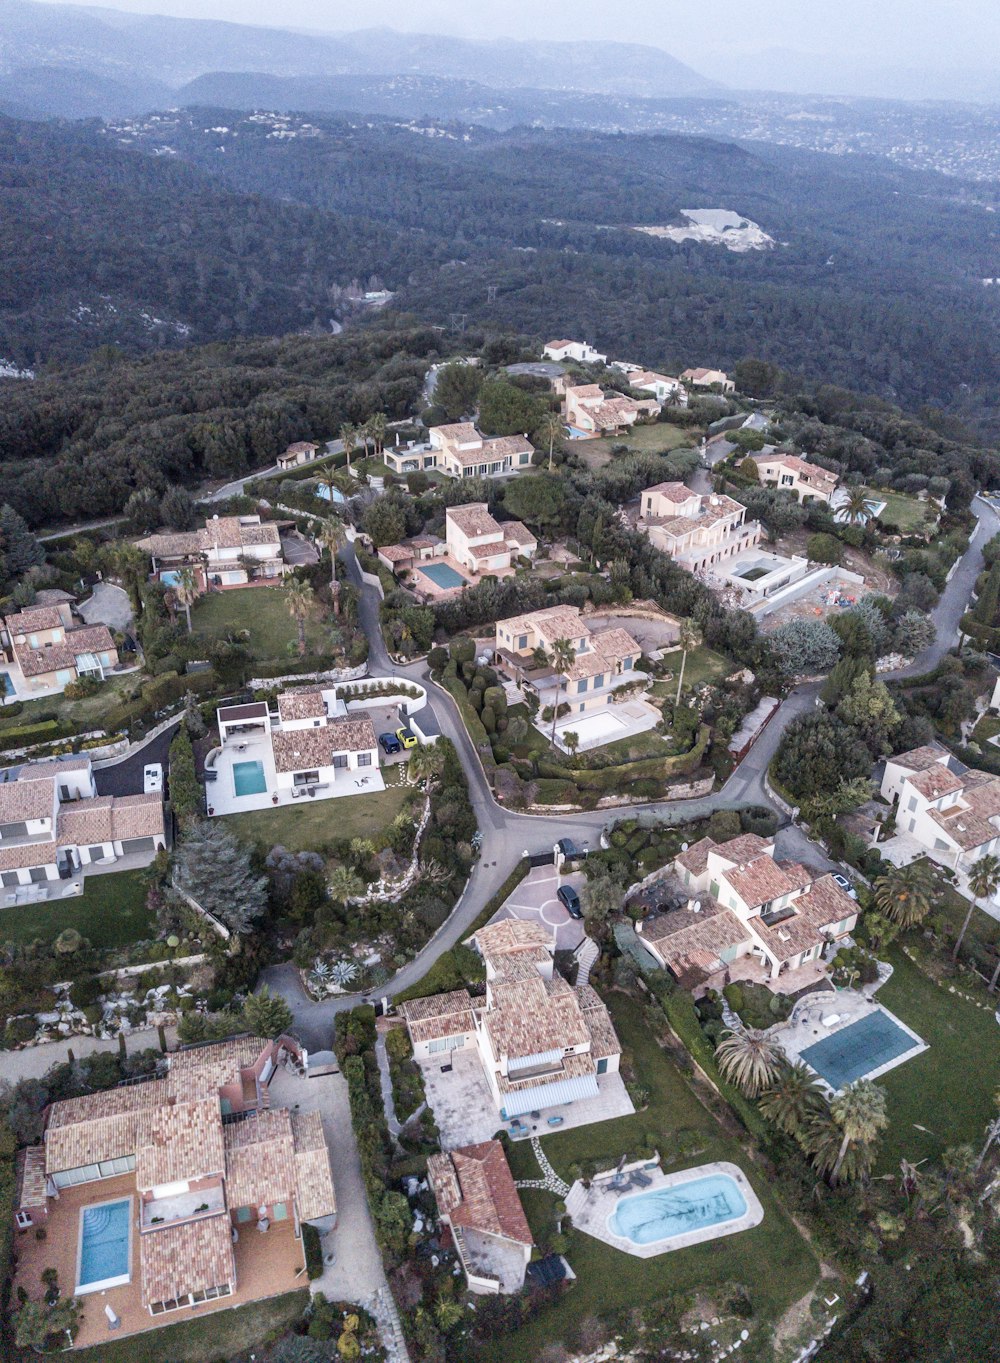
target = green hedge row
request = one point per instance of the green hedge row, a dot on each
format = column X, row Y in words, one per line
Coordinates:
column 649, row 768
column 312, row 1244
column 29, row 734
column 456, row 689
column 157, row 694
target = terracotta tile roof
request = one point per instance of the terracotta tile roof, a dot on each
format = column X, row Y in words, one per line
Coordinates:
column 439, row 1016
column 516, row 533
column 457, row 433
column 806, row 472
column 23, row 800
column 302, row 749
column 186, row 1257
column 759, row 882
column 209, row 1068
column 99, row 1126
column 315, row 1193
column 531, row 1016
column 558, row 345
column 712, row 929
column 397, row 553
column 473, row 519
column 305, row 704
column 603, row 1037
column 21, row 858
column 110, row 818
column 259, row 1159
column 585, row 391
column 475, row 1190
column 87, row 639
column 230, row 532
column 30, row 1173
column 496, row 447
column 919, row 759
column 695, row 859
column 745, row 848
column 182, row 544
column 301, row 447
column 935, row 781
column 676, row 493
column 513, row 934
column 34, row 621
column 182, row 1141
column 554, row 622
column 489, row 550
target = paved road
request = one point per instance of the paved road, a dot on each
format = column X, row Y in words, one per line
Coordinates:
column 125, row 777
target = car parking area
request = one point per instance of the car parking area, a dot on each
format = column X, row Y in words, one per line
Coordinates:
column 387, row 720
column 535, row 901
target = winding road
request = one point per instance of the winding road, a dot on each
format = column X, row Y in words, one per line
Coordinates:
column 508, row 835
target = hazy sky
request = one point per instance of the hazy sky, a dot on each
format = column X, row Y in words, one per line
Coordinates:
column 917, row 33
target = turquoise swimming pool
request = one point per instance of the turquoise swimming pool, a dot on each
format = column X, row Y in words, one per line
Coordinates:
column 330, row 494
column 249, row 778
column 664, row 1213
column 442, row 576
column 105, row 1245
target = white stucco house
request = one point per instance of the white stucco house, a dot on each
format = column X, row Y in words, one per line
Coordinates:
column 580, row 351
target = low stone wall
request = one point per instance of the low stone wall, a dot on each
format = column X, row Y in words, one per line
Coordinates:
column 334, row 676
column 128, row 971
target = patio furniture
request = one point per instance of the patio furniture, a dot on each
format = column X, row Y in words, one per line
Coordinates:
column 114, row 1322
column 641, row 1180
column 555, row 1121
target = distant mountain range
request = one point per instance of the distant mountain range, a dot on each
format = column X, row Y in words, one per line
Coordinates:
column 58, row 60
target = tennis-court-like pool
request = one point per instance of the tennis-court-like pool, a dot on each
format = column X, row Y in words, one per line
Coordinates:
column 249, row 778
column 105, row 1246
column 443, row 576
column 872, row 1043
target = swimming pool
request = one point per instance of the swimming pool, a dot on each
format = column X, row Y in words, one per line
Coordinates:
column 249, row 778
column 328, row 493
column 859, row 1049
column 105, row 1246
column 9, row 689
column 442, row 576
column 665, row 1213
column 170, row 578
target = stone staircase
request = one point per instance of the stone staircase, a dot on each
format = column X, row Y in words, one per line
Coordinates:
column 383, row 1307
column 586, row 954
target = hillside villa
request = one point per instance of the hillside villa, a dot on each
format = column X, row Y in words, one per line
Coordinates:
column 580, row 351
column 478, row 1202
column 460, row 451
column 45, row 650
column 539, row 1043
column 747, row 916
column 474, row 544
column 302, row 452
column 177, row 1195
column 229, row 551
column 589, row 411
column 944, row 810
column 794, row 474
column 699, row 532
column 707, row 379
column 55, row 828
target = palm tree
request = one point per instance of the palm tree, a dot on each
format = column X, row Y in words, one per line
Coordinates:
column 856, row 505
column 859, row 1111
column 552, row 430
column 690, row 637
column 299, row 601
column 563, row 658
column 983, row 881
column 349, row 440
column 186, row 590
column 749, row 1059
column 364, row 434
column 903, row 894
column 333, row 536
column 793, row 1098
column 329, row 477
column 882, row 931
column 571, row 740
column 376, row 429
column 130, row 564
column 426, row 764
column 344, row 884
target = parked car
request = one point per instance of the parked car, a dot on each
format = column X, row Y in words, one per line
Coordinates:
column 389, row 743
column 570, row 901
column 845, row 884
column 568, row 848
column 407, row 737
column 152, row 779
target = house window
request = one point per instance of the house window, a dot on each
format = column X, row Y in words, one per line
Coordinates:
column 581, row 685
column 24, row 1220
column 446, row 1043
column 279, row 1212
column 627, row 665
column 243, row 1215
column 598, row 681
column 305, row 778
column 522, row 641
column 364, row 759
column 37, row 874
column 339, row 760
column 602, row 1067
column 912, row 802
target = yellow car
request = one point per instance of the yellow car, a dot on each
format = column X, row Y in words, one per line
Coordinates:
column 407, row 737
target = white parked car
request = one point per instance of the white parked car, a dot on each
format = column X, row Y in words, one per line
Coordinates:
column 152, row 779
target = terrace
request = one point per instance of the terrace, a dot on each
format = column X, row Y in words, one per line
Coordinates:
column 187, row 1206
column 246, row 779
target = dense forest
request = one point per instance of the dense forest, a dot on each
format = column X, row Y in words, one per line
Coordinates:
column 222, row 224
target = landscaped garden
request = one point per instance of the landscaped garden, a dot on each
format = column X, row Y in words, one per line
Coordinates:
column 312, row 825
column 261, row 617
column 111, row 913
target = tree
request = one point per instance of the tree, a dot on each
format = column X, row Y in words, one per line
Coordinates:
column 824, row 548
column 185, row 789
column 749, row 1059
column 602, row 896
column 552, row 430
column 793, row 1098
column 817, row 753
column 903, row 894
column 690, row 638
column 804, row 646
column 39, row 1323
column 426, row 763
column 142, row 511
column 376, row 429
column 299, row 599
column 177, row 509
column 456, row 389
column 563, row 658
column 349, row 440
column 333, row 536
column 869, row 708
column 856, row 505
column 505, row 409
column 859, row 1111
column 19, row 547
column 384, row 522
column 186, row 591
column 345, row 884
column 983, row 881
column 537, row 498
column 572, row 740
column 130, row 565
column 266, row 1014
column 213, row 867
column 913, row 633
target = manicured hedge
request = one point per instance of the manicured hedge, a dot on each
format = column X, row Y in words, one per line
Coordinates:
column 312, row 1244
column 30, row 734
column 649, row 768
column 458, row 692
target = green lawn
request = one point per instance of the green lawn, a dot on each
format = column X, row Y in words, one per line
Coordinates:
column 659, row 438
column 111, row 912
column 948, row 1090
column 773, row 1261
column 218, row 1335
column 703, row 665
column 82, row 715
column 635, row 748
column 907, row 513
column 987, row 728
column 309, row 824
column 263, row 613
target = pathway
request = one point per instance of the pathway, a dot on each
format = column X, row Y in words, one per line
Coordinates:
column 550, row 1181
column 385, row 1083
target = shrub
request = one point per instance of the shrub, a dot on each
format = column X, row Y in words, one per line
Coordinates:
column 312, row 1244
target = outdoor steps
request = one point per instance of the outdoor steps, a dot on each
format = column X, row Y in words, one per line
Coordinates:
column 586, row 954
column 576, row 1199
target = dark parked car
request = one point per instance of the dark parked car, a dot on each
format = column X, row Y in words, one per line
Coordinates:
column 568, row 848
column 570, row 901
column 389, row 743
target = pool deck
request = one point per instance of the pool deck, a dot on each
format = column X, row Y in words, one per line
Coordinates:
column 806, row 1027
column 221, row 793
column 592, row 1208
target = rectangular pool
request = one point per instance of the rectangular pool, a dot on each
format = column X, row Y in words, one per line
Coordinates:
column 443, row 576
column 249, row 778
column 858, row 1050
column 105, row 1246
column 663, row 1213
